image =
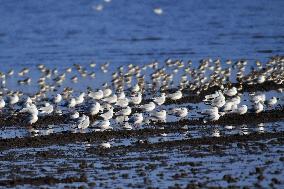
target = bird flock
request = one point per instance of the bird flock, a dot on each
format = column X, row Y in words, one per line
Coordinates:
column 136, row 95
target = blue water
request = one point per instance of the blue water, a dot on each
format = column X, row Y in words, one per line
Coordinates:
column 61, row 33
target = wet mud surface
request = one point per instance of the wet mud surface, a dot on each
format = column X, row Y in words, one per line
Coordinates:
column 247, row 161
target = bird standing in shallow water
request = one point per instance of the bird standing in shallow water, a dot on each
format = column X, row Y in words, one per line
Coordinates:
column 242, row 109
column 258, row 107
column 102, row 125
column 13, row 99
column 95, row 108
column 148, row 107
column 57, row 99
column 179, row 112
column 214, row 116
column 136, row 119
column 159, row 116
column 83, row 122
column 46, row 109
column 75, row 115
column 32, row 118
column 2, row 104
column 109, row 114
column 271, row 102
column 160, row 100
column 136, row 99
column 105, row 145
column 176, row 95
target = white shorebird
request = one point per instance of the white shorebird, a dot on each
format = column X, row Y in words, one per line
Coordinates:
column 158, row 11
column 260, row 127
column 124, row 112
column 214, row 116
column 236, row 100
column 103, row 125
column 122, row 102
column 109, row 114
column 75, row 115
column 210, row 111
column 159, row 116
column 110, row 99
column 221, row 102
column 148, row 107
column 261, row 79
column 231, row 92
column 228, row 106
column 105, row 145
column 10, row 72
column 83, row 122
column 14, row 99
column 179, row 112
column 28, row 100
column 135, row 88
column 137, row 99
column 258, row 98
column 46, row 109
column 72, row 103
column 136, row 118
column 96, row 95
column 92, row 65
column 31, row 109
column 57, row 99
column 160, row 100
column 271, row 102
column 98, row 7
column 176, row 95
column 121, row 119
column 121, row 96
column 218, row 101
column 80, row 98
column 258, row 107
column 32, row 118
column 231, row 104
column 2, row 103
column 107, row 92
column 242, row 109
column 95, row 108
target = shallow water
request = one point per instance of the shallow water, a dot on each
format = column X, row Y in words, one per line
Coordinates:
column 67, row 32
column 60, row 34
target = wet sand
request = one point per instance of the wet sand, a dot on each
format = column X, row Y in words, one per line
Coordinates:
column 173, row 164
